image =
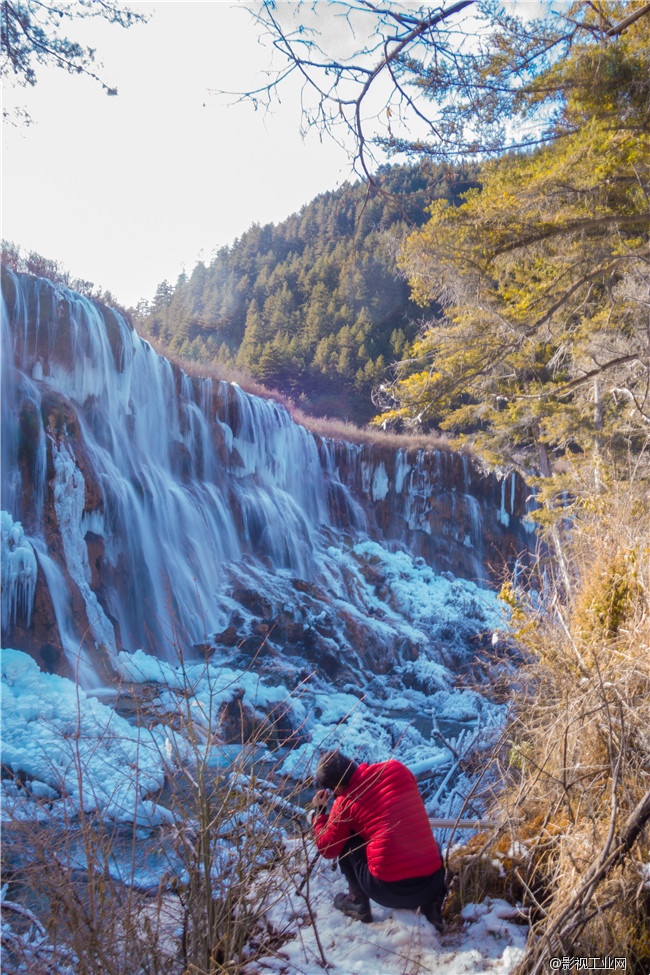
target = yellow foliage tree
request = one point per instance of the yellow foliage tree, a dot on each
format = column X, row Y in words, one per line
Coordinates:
column 543, row 273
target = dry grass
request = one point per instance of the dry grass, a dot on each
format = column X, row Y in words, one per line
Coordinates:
column 578, row 759
column 334, row 429
column 574, row 766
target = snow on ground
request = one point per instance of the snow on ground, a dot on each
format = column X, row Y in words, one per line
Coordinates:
column 483, row 940
column 54, row 731
column 425, row 597
column 70, row 745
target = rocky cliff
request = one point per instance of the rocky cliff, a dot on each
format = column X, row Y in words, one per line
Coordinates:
column 145, row 508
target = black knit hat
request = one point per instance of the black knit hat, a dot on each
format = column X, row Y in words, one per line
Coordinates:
column 334, row 768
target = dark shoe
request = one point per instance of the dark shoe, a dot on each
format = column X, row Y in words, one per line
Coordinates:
column 433, row 915
column 358, row 910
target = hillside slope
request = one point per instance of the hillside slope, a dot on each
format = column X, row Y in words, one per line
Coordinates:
column 315, row 306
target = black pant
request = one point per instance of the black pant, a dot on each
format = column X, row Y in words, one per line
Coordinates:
column 402, row 894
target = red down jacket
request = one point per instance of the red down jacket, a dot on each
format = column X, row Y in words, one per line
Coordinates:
column 382, row 803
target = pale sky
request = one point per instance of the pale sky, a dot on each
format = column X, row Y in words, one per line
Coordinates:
column 127, row 191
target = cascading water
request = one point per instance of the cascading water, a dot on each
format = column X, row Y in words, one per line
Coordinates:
column 160, row 508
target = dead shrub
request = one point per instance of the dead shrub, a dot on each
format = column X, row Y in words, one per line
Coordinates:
column 579, row 735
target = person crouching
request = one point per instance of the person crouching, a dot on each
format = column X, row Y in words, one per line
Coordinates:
column 379, row 830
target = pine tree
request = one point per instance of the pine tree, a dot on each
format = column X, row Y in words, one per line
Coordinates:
column 544, row 345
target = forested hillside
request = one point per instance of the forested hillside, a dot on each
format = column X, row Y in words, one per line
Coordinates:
column 315, row 306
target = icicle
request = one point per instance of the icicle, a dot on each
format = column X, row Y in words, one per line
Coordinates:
column 402, row 470
column 69, row 493
column 380, row 484
column 503, row 515
column 475, row 538
column 19, row 569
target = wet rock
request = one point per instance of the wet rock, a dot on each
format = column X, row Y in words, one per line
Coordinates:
column 95, row 546
column 252, row 600
column 237, row 722
column 228, row 637
column 203, row 650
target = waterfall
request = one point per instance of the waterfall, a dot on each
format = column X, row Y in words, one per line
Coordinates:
column 170, row 503
column 161, row 507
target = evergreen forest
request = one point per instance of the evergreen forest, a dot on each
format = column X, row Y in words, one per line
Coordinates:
column 315, row 307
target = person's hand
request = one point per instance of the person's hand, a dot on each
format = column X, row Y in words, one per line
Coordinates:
column 320, row 800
